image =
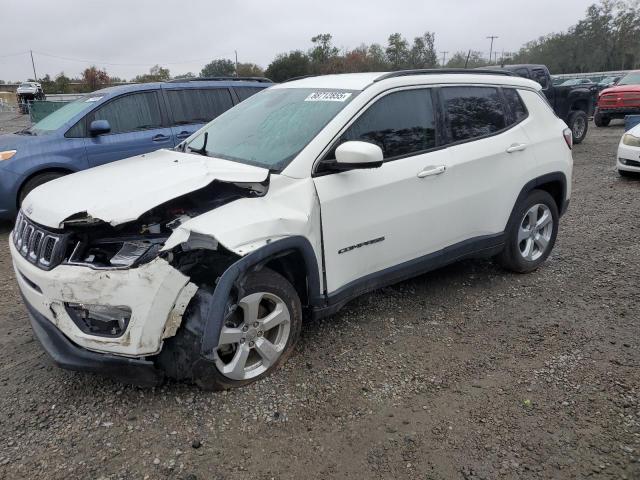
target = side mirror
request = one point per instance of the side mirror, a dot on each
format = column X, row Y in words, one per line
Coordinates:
column 355, row 154
column 99, row 127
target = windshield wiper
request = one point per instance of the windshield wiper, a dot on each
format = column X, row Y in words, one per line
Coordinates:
column 202, row 150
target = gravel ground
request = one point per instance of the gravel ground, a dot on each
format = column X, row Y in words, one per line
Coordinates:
column 468, row 372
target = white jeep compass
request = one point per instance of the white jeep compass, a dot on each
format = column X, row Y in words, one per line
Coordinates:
column 200, row 263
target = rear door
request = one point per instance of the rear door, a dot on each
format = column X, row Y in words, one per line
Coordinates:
column 491, row 158
column 137, row 126
column 189, row 109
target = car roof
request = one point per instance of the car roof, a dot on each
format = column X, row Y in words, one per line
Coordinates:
column 187, row 83
column 360, row 81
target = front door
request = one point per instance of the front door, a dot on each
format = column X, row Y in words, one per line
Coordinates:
column 137, row 127
column 373, row 219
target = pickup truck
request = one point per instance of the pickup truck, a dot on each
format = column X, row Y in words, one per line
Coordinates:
column 618, row 101
column 572, row 103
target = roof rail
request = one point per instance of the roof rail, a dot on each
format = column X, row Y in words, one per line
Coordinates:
column 442, row 71
column 226, row 79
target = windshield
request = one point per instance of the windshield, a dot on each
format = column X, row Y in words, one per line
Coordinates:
column 630, row 79
column 26, row 85
column 57, row 119
column 270, row 128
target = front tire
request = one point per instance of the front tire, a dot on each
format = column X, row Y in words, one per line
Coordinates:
column 254, row 341
column 579, row 124
column 601, row 120
column 531, row 233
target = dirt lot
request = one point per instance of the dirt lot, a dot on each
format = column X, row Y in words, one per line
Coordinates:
column 468, row 372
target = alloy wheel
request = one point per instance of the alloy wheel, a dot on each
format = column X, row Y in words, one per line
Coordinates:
column 534, row 232
column 254, row 338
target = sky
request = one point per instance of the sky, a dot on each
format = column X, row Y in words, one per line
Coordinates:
column 127, row 37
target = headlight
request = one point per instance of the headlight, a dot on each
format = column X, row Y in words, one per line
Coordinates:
column 116, row 254
column 631, row 140
column 7, row 154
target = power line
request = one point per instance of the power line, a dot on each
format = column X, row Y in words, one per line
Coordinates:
column 79, row 60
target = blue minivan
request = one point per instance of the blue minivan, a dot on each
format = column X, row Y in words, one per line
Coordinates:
column 112, row 124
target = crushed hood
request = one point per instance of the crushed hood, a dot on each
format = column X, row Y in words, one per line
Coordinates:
column 121, row 191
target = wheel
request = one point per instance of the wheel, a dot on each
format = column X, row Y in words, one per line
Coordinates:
column 36, row 182
column 579, row 124
column 600, row 120
column 531, row 233
column 258, row 337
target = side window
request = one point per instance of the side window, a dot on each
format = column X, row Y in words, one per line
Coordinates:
column 77, row 131
column 515, row 103
column 246, row 92
column 198, row 105
column 540, row 77
column 138, row 111
column 472, row 112
column 400, row 123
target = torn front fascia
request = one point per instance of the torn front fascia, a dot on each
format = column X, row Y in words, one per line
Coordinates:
column 99, row 245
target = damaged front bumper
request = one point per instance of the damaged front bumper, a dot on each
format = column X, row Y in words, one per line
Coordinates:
column 66, row 354
column 156, row 293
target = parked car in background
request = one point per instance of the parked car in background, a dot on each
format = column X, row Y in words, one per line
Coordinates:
column 26, row 93
column 628, row 163
column 618, row 101
column 572, row 103
column 199, row 263
column 607, row 82
column 576, row 81
column 112, row 124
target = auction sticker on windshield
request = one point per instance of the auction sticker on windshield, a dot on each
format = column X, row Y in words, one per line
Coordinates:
column 327, row 97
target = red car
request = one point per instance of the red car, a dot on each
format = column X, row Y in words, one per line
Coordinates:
column 618, row 101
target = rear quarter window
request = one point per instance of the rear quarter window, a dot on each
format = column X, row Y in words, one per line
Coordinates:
column 246, row 92
column 516, row 106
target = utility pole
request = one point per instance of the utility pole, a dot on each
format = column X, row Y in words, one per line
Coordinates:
column 492, row 37
column 236, row 52
column 35, row 77
column 444, row 58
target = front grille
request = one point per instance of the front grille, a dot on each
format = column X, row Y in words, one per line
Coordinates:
column 41, row 247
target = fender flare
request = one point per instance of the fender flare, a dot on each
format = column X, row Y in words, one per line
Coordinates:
column 218, row 308
column 536, row 182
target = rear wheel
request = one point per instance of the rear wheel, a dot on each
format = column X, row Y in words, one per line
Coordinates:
column 531, row 233
column 579, row 124
column 601, row 120
column 36, row 182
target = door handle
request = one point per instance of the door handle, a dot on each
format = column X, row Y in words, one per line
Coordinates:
column 431, row 171
column 516, row 147
column 160, row 138
column 184, row 134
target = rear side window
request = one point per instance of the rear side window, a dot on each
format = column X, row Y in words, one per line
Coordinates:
column 198, row 105
column 472, row 112
column 400, row 123
column 138, row 111
column 516, row 105
column 541, row 77
column 246, row 92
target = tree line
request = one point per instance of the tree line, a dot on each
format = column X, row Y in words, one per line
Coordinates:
column 607, row 38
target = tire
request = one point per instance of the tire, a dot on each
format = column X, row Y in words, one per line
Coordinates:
column 579, row 124
column 36, row 182
column 601, row 120
column 513, row 257
column 180, row 356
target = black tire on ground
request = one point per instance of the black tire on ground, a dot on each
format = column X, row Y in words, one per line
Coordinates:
column 180, row 357
column 579, row 124
column 36, row 182
column 601, row 120
column 511, row 258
